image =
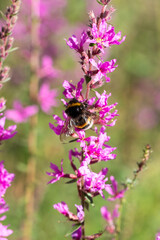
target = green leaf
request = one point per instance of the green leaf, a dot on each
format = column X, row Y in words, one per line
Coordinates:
column 99, row 2
column 12, row 49
column 87, row 78
column 92, row 44
column 89, row 198
column 76, row 226
column 3, row 15
column 71, row 181
column 6, row 80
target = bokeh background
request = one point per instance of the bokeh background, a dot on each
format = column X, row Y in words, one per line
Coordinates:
column 135, row 85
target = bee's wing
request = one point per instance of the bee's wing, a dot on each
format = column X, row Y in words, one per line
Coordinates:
column 67, row 132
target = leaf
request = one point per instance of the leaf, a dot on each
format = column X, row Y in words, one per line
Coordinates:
column 87, row 78
column 89, row 198
column 92, row 44
column 6, row 80
column 71, row 181
column 3, row 15
column 99, row 2
column 12, row 49
column 76, row 227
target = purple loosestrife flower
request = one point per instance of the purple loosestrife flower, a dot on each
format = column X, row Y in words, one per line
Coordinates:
column 114, row 190
column 5, row 179
column 93, row 183
column 19, row 113
column 5, row 182
column 3, row 208
column 6, row 133
column 4, row 232
column 72, row 91
column 103, row 69
column 104, row 35
column 97, row 148
column 47, row 97
column 110, row 218
column 60, row 124
column 74, row 44
column 63, row 209
column 105, row 114
column 77, row 234
column 56, row 174
column 83, row 112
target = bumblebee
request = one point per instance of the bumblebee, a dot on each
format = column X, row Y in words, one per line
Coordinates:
column 79, row 117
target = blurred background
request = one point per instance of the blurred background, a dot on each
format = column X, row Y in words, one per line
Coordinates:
column 135, row 85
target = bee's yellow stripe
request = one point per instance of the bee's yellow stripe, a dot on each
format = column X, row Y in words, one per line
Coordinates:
column 85, row 124
column 73, row 104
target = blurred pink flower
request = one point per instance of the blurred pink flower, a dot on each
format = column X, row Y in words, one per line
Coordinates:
column 5, row 181
column 147, row 118
column 2, row 104
column 158, row 236
column 19, row 113
column 109, row 217
column 4, row 232
column 46, row 98
column 47, row 69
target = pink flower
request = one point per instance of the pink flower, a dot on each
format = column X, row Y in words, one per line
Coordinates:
column 5, row 179
column 63, row 209
column 6, row 133
column 56, row 174
column 5, row 182
column 97, row 148
column 114, row 190
column 60, row 124
column 77, row 234
column 104, row 36
column 80, row 213
column 3, row 208
column 19, row 113
column 103, row 69
column 73, row 42
column 110, row 218
column 106, row 116
column 72, row 91
column 47, row 97
column 93, row 182
column 4, row 232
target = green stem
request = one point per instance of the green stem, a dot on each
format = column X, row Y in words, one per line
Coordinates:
column 118, row 225
column 83, row 204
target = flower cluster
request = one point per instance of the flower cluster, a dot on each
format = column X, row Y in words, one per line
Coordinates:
column 84, row 112
column 5, row 182
column 6, row 42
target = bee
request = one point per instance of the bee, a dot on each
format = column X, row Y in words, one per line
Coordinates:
column 79, row 117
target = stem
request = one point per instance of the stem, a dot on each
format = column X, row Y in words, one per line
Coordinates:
column 83, row 204
column 32, row 138
column 118, row 225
